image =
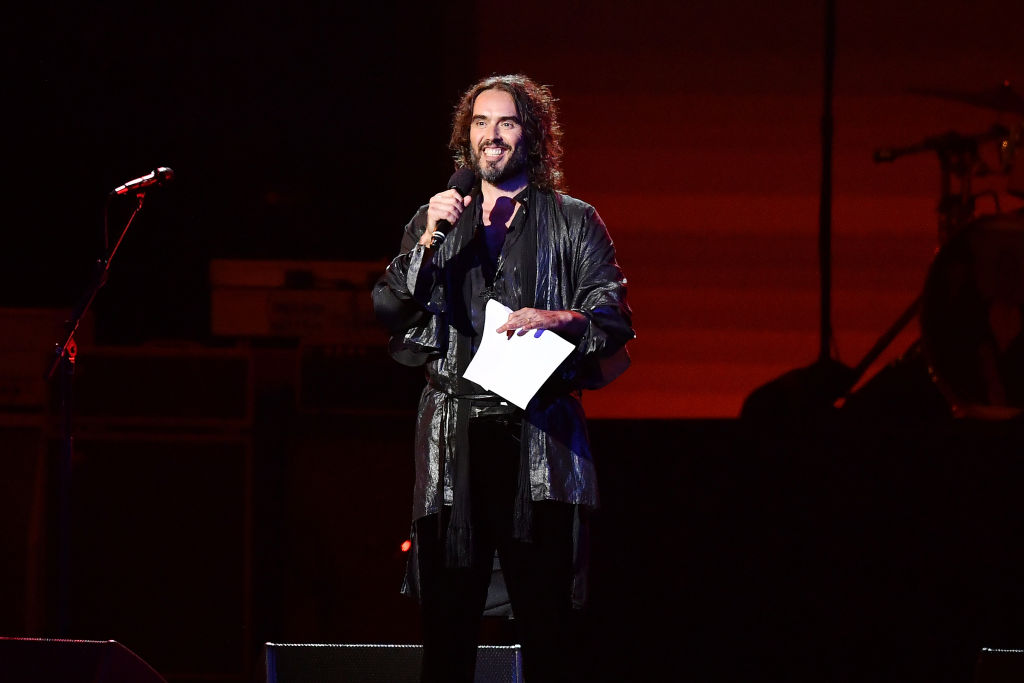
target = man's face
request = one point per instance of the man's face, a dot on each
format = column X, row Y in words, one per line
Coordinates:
column 496, row 143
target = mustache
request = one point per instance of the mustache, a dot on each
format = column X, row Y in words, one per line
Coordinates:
column 493, row 143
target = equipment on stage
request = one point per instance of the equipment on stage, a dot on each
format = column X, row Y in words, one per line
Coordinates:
column 1009, row 149
column 972, row 304
column 1002, row 98
column 45, row 660
column 998, row 666
column 62, row 371
column 968, row 358
column 972, row 315
column 809, row 395
column 349, row 663
column 158, row 177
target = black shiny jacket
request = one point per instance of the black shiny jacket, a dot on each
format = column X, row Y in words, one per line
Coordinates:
column 420, row 299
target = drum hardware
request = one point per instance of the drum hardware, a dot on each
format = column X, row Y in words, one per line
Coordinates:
column 972, row 318
column 995, row 364
column 959, row 162
column 971, row 315
column 1002, row 98
column 994, row 196
column 1007, row 156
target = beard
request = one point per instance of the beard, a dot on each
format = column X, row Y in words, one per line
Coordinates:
column 495, row 174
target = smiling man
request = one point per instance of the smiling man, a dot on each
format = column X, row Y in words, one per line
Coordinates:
column 496, row 139
column 489, row 476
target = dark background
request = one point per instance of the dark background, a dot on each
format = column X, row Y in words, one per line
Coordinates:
column 217, row 506
column 290, row 131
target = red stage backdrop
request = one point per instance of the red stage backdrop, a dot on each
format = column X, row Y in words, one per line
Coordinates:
column 696, row 131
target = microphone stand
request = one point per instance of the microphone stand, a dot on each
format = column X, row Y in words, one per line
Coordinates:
column 804, row 396
column 65, row 353
column 827, row 377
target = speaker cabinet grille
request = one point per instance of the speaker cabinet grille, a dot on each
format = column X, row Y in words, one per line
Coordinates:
column 353, row 663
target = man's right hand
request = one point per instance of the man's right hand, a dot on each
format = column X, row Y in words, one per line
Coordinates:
column 444, row 206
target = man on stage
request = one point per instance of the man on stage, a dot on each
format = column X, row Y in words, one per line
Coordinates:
column 490, row 476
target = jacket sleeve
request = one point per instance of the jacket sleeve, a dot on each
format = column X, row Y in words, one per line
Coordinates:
column 393, row 301
column 407, row 295
column 600, row 296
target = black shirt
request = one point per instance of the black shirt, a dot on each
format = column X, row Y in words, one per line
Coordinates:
column 485, row 278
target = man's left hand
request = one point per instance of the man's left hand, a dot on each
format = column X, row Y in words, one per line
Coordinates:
column 569, row 324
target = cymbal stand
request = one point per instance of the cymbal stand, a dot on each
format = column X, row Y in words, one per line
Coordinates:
column 959, row 160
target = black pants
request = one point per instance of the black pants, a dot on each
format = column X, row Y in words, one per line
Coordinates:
column 537, row 573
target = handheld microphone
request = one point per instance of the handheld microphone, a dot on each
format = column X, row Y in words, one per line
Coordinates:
column 160, row 176
column 462, row 182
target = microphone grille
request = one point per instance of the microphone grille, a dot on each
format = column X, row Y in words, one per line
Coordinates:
column 462, row 180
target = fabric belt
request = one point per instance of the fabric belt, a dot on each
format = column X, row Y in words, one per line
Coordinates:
column 484, row 405
column 492, row 410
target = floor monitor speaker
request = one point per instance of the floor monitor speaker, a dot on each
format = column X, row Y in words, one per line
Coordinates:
column 354, row 663
column 999, row 666
column 42, row 660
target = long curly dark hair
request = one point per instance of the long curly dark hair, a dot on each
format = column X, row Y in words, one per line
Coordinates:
column 539, row 114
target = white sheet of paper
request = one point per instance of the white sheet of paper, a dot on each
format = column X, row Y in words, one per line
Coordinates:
column 514, row 368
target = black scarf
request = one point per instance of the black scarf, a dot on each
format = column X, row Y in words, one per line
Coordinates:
column 459, row 532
